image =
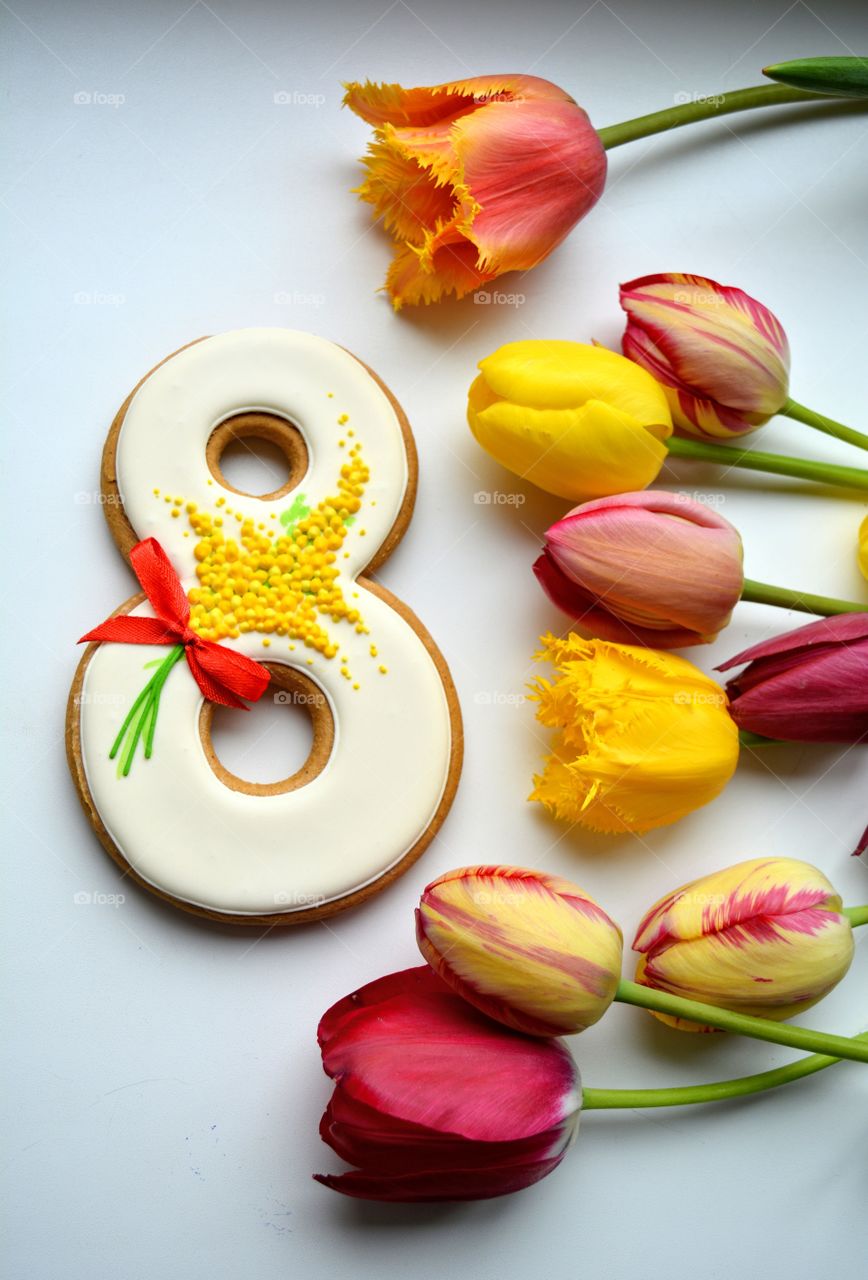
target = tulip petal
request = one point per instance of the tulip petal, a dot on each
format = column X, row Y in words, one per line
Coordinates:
column 381, row 104
column 534, row 170
column 511, row 1087
column 846, row 628
column 454, row 1184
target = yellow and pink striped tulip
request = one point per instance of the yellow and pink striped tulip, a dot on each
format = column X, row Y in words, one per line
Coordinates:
column 530, row 950
column 721, row 357
column 766, row 937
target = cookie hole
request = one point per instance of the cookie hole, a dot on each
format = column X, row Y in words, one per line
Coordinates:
column 283, row 742
column 257, row 454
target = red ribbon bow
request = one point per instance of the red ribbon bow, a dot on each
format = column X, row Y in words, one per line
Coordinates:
column 223, row 675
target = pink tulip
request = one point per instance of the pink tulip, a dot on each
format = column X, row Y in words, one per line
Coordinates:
column 810, row 685
column 434, row 1101
column 475, row 177
column 648, row 568
column 722, row 357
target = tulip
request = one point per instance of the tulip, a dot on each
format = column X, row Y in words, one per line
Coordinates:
column 644, row 568
column 656, row 569
column 766, row 937
column 475, row 177
column 583, row 422
column 720, row 355
column 645, row 737
column 481, row 176
column 809, row 685
column 574, row 419
column 434, row 1101
column 529, row 949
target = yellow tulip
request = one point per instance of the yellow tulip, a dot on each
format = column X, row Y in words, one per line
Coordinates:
column 579, row 421
column 645, row 737
column 863, row 547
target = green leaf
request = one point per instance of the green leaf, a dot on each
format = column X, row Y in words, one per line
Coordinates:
column 839, row 77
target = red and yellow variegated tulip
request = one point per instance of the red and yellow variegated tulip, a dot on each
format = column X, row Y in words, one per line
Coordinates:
column 645, row 737
column 529, row 949
column 434, row 1101
column 766, row 937
column 645, row 568
column 475, row 177
column 808, row 685
column 721, row 356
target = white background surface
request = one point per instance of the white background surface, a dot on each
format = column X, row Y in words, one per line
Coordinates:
column 164, row 1083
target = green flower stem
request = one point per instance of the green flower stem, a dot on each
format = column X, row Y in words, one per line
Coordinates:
column 803, row 601
column 775, row 463
column 600, row 1099
column 856, row 915
column 141, row 718
column 710, row 108
column 741, row 1023
column 800, row 413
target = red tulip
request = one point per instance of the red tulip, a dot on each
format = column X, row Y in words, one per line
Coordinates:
column 475, row 177
column 810, row 685
column 434, row 1101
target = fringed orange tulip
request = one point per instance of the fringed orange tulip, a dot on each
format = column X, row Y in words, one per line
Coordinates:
column 475, row 177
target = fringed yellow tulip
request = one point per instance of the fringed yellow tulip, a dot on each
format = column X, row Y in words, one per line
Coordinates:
column 766, row 937
column 577, row 420
column 529, row 949
column 645, row 737
column 863, row 547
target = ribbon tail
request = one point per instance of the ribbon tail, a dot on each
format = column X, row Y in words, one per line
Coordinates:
column 160, row 582
column 225, row 676
column 126, row 630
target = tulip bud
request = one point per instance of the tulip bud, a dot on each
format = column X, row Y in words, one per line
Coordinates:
column 433, row 1101
column 766, row 937
column 576, row 420
column 809, row 685
column 644, row 568
column 721, row 356
column 645, row 737
column 475, row 177
column 529, row 949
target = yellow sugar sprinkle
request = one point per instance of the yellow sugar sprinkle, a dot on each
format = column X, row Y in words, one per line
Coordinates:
column 355, row 686
column 186, row 533
column 331, row 395
column 167, row 499
column 281, row 581
column 345, row 417
column 373, row 651
column 190, row 508
column 156, row 493
column 383, row 670
column 266, row 642
column 175, row 512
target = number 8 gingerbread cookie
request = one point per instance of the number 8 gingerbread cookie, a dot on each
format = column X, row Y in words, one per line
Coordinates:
column 245, row 593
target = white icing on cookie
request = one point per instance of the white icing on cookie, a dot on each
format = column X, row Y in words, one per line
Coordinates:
column 181, row 828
